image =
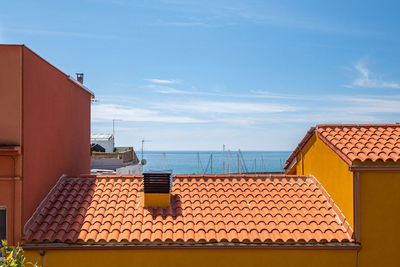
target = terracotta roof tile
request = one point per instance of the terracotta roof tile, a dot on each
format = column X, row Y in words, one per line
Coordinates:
column 204, row 209
column 357, row 141
column 363, row 141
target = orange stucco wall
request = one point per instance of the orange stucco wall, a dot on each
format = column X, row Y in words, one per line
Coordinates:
column 47, row 116
column 56, row 129
column 10, row 94
column 319, row 160
column 10, row 198
column 10, row 134
column 194, row 257
column 379, row 218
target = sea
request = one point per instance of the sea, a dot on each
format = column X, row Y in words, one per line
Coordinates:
column 215, row 162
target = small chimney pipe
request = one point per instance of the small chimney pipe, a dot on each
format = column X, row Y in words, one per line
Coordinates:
column 79, row 77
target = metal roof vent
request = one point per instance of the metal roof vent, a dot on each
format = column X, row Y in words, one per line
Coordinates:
column 157, row 187
column 157, row 181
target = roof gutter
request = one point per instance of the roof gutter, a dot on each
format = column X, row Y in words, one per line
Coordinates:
column 374, row 168
column 224, row 245
column 81, row 85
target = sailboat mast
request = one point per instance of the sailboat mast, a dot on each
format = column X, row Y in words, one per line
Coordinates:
column 198, row 163
column 229, row 161
column 211, row 166
column 163, row 160
column 238, row 156
column 223, row 158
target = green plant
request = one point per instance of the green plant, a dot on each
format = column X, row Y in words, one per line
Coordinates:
column 12, row 256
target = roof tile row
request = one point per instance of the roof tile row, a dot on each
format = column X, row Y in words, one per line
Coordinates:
column 204, row 209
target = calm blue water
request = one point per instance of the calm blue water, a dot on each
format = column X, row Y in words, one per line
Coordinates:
column 186, row 162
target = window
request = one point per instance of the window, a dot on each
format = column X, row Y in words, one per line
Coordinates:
column 3, row 224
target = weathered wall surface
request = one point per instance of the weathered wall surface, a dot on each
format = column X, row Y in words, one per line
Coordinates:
column 379, row 219
column 194, row 257
column 10, row 198
column 56, row 129
column 10, row 94
column 332, row 172
column 10, row 134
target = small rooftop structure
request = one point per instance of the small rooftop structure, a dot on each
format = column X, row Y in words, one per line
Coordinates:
column 105, row 140
column 113, row 160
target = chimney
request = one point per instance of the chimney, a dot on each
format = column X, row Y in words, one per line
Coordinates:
column 157, row 188
column 79, row 77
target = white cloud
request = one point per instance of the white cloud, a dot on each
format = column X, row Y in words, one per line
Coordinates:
column 108, row 112
column 365, row 80
column 169, row 90
column 370, row 105
column 228, row 107
column 231, row 13
column 251, row 94
column 160, row 81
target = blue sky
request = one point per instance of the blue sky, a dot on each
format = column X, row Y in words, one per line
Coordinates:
column 193, row 75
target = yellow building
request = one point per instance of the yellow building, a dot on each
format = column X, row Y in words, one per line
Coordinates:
column 203, row 220
column 235, row 220
column 359, row 165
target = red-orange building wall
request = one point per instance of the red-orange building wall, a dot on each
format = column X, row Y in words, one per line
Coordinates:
column 10, row 94
column 56, row 129
column 47, row 116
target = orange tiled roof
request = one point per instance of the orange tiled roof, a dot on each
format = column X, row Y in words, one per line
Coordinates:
column 357, row 141
column 204, row 209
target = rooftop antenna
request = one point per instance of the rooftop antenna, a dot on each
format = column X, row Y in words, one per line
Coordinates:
column 114, row 120
column 143, row 144
column 113, row 132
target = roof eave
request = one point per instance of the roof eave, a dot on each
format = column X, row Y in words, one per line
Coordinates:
column 299, row 147
column 81, row 85
column 222, row 245
column 374, row 168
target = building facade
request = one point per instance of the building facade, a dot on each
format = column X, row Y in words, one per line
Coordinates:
column 44, row 132
column 359, row 165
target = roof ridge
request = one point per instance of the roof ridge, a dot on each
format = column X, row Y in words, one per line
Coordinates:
column 302, row 143
column 334, row 148
column 359, row 125
column 336, row 209
column 42, row 203
column 192, row 176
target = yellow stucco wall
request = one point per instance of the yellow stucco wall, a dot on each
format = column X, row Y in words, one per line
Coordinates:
column 156, row 200
column 319, row 160
column 194, row 257
column 379, row 219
